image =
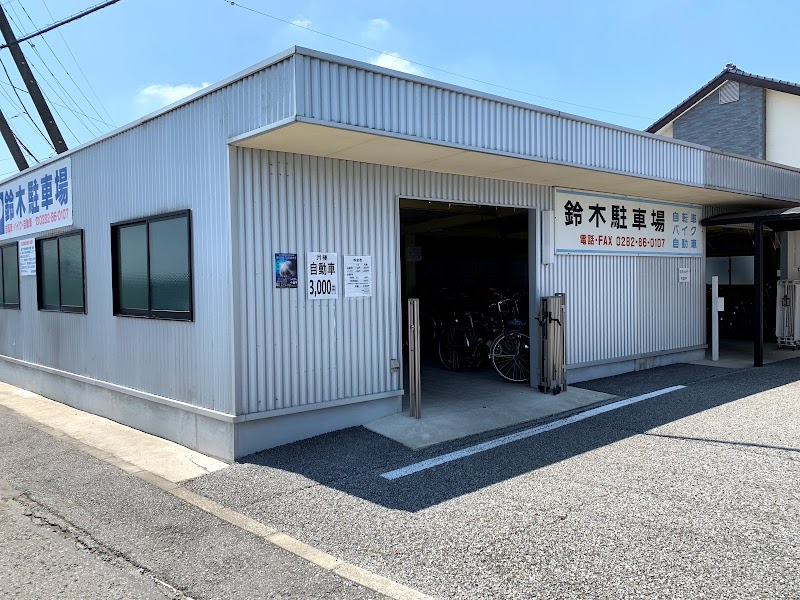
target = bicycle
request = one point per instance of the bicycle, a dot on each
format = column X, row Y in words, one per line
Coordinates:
column 469, row 342
column 510, row 352
column 460, row 344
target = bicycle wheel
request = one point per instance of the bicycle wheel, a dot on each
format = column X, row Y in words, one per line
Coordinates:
column 453, row 348
column 511, row 356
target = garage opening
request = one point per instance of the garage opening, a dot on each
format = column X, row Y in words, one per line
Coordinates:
column 468, row 265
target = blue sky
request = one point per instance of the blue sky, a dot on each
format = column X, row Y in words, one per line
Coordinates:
column 636, row 60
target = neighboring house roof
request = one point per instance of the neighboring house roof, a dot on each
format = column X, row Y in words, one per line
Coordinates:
column 729, row 73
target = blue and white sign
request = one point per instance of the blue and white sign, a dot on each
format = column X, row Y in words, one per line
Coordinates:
column 37, row 201
column 591, row 223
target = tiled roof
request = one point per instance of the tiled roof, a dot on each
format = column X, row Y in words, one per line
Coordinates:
column 729, row 73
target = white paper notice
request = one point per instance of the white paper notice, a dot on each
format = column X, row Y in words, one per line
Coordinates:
column 27, row 257
column 323, row 271
column 357, row 276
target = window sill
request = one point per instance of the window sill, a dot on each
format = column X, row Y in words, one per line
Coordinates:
column 183, row 319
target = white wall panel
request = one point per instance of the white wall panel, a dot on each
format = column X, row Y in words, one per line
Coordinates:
column 620, row 306
column 302, row 352
column 177, row 161
column 351, row 95
column 298, row 351
column 783, row 128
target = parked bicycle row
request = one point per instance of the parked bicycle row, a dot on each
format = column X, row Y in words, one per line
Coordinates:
column 470, row 331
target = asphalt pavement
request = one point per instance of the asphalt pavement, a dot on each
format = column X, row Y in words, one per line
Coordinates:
column 694, row 493
column 98, row 532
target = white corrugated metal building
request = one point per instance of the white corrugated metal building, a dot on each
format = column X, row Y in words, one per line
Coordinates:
column 309, row 152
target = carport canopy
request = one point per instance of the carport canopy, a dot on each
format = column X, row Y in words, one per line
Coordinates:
column 780, row 219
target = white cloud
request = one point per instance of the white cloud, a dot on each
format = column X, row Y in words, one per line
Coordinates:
column 376, row 29
column 302, row 23
column 158, row 95
column 393, row 60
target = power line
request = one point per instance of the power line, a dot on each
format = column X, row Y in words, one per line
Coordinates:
column 39, row 101
column 18, row 23
column 85, row 78
column 74, row 102
column 60, row 116
column 20, row 142
column 74, row 17
column 24, row 108
column 413, row 62
column 64, row 68
column 97, row 131
column 24, row 91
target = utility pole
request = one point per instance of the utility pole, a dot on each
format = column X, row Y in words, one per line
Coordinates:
column 11, row 142
column 39, row 102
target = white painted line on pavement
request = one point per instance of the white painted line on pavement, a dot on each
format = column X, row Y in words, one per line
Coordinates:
column 521, row 435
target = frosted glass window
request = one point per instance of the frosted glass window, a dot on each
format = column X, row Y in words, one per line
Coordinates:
column 152, row 267
column 719, row 266
column 169, row 265
column 70, row 265
column 9, row 276
column 59, row 273
column 742, row 270
column 132, row 268
column 48, row 274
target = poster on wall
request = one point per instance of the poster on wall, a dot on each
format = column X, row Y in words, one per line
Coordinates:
column 38, row 201
column 357, row 276
column 591, row 223
column 27, row 257
column 323, row 274
column 285, row 270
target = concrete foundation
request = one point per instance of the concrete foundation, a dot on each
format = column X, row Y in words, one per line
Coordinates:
column 578, row 373
column 226, row 437
column 204, row 434
column 252, row 436
column 456, row 405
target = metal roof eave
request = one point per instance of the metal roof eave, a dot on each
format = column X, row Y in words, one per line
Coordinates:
column 781, row 219
column 303, row 135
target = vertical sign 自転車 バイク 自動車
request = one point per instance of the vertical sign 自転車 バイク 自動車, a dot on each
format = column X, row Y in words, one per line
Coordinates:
column 323, row 274
column 591, row 223
column 37, row 201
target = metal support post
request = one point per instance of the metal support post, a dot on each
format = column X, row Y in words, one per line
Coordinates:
column 414, row 384
column 758, row 296
column 715, row 318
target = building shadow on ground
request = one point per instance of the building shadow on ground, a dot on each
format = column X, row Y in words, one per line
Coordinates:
column 353, row 460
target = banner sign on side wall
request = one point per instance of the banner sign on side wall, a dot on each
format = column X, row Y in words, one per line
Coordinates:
column 27, row 257
column 37, row 201
column 590, row 223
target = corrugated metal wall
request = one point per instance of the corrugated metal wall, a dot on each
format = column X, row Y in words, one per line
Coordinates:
column 177, row 161
column 355, row 96
column 298, row 352
column 621, row 306
column 743, row 175
column 627, row 305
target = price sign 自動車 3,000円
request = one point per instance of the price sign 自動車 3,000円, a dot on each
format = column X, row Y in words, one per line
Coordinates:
column 323, row 273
